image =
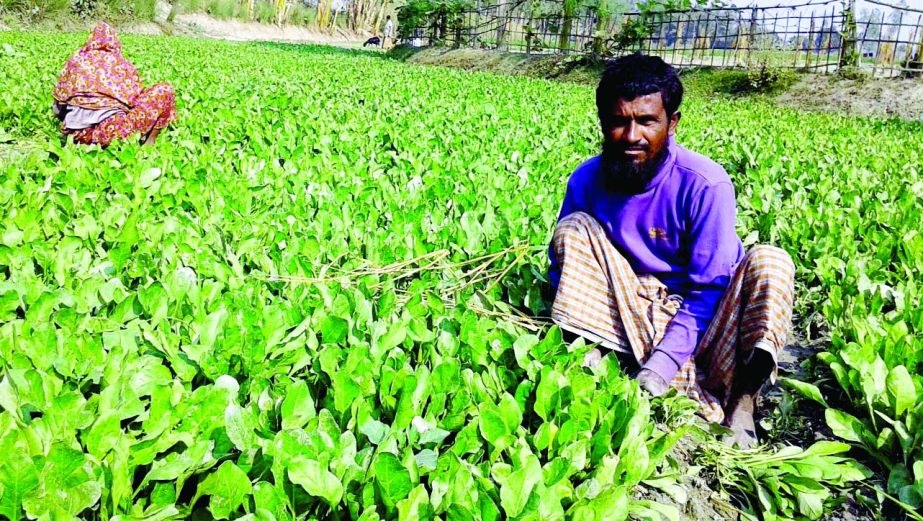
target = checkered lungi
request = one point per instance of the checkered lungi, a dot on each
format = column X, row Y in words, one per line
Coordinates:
column 600, row 298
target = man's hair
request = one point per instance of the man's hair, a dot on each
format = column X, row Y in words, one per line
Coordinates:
column 635, row 75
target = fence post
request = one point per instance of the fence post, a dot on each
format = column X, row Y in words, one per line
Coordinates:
column 568, row 8
column 751, row 37
column 501, row 24
column 662, row 35
column 725, row 48
column 911, row 39
column 848, row 53
column 697, row 42
column 598, row 29
column 917, row 64
column 807, row 60
column 529, row 30
column 897, row 39
column 457, row 20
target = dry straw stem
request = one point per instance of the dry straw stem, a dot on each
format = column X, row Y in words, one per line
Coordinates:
column 474, row 271
column 431, row 262
column 397, row 271
column 514, row 316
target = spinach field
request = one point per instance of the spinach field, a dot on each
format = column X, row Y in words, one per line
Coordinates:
column 314, row 299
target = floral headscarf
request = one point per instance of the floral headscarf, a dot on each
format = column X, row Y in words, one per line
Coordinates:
column 98, row 76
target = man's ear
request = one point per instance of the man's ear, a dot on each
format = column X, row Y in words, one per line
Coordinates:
column 674, row 120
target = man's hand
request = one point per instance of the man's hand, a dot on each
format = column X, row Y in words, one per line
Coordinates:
column 647, row 379
column 652, row 382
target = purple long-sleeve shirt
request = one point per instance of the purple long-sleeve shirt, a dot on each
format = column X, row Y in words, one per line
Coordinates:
column 680, row 229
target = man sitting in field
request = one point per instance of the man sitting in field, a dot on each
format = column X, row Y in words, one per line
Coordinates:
column 645, row 259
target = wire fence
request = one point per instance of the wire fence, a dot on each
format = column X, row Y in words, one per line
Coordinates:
column 818, row 37
column 779, row 37
column 891, row 43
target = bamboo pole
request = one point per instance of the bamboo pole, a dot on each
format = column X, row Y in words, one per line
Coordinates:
column 752, row 34
column 918, row 58
column 281, row 8
column 848, row 52
column 910, row 41
column 807, row 60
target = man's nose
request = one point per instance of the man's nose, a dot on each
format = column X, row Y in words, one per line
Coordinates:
column 633, row 133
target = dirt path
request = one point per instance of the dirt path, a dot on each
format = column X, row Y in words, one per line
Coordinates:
column 203, row 25
column 200, row 24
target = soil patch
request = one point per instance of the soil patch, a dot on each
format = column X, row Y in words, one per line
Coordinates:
column 880, row 97
column 148, row 28
column 547, row 66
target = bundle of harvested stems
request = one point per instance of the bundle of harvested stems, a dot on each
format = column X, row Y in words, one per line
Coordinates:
column 477, row 273
column 787, row 483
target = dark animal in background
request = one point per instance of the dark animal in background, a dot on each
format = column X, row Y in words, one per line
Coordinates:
column 376, row 41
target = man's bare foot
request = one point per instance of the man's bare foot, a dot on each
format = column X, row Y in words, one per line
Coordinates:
column 652, row 382
column 740, row 421
column 592, row 358
column 742, row 404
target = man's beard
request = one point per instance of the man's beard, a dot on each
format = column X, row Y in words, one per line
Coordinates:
column 622, row 174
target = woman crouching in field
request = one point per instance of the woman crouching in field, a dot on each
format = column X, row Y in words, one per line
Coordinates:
column 99, row 96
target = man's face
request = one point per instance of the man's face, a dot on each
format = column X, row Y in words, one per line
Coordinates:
column 635, row 135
